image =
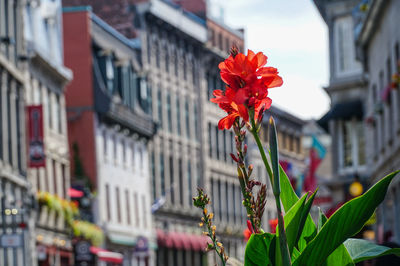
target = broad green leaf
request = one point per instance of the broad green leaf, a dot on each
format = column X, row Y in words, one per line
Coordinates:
column 360, row 250
column 292, row 221
column 303, row 219
column 344, row 223
column 257, row 251
column 338, row 257
column 289, row 198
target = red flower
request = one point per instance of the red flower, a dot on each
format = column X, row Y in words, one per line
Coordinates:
column 247, row 82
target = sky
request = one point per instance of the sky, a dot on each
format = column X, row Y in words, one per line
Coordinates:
column 294, row 37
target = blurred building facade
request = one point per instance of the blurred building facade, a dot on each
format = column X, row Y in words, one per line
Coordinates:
column 364, row 38
column 110, row 123
column 347, row 90
column 15, row 191
column 220, row 177
column 45, row 82
column 377, row 39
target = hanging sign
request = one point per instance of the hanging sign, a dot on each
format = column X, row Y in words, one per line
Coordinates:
column 36, row 153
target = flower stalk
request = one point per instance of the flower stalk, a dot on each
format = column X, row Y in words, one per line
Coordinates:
column 201, row 201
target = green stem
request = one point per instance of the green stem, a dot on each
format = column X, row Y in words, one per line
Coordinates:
column 263, row 156
column 282, row 235
column 214, row 240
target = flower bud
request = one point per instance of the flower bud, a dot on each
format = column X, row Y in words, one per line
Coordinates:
column 234, row 157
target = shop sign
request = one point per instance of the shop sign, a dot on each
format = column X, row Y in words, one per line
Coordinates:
column 82, row 253
column 11, row 241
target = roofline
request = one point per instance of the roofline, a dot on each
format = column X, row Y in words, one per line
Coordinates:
column 226, row 27
column 102, row 24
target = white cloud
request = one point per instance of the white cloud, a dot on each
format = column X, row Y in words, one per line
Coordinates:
column 294, row 37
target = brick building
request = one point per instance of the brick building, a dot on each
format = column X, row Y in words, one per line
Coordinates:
column 109, row 124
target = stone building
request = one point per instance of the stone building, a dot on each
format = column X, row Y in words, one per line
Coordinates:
column 344, row 121
column 109, row 120
column 377, row 38
column 220, row 171
column 45, row 81
column 16, row 200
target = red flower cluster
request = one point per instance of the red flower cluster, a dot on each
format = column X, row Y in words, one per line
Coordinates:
column 247, row 87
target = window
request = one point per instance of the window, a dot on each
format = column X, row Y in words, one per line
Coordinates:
column 110, row 75
column 171, row 177
column 64, row 188
column 49, row 109
column 361, row 144
column 159, row 107
column 176, row 62
column 178, row 116
column 128, row 207
column 181, row 199
column 352, row 146
column 153, row 176
column 220, row 43
column 133, row 155
column 189, row 180
column 234, row 203
column 108, row 209
column 162, row 174
column 157, row 53
column 105, row 143
column 118, row 204
column 187, row 118
column 224, row 145
column 144, row 211
column 219, row 187
column 167, row 59
column 54, row 167
column 196, row 122
column 217, row 142
column 18, row 125
column 115, row 148
column 169, row 112
column 348, row 158
column 210, row 145
column 136, row 206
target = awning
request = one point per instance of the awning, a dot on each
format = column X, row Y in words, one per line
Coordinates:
column 181, row 240
column 107, row 256
column 344, row 110
column 74, row 193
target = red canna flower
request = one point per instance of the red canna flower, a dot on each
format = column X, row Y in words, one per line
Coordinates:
column 247, row 82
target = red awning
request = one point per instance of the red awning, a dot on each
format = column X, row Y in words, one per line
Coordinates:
column 74, row 193
column 107, row 256
column 180, row 240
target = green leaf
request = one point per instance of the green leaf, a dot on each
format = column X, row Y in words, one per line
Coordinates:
column 310, row 226
column 338, row 257
column 344, row 223
column 360, row 250
column 257, row 251
column 289, row 198
column 273, row 146
column 292, row 221
column 321, row 219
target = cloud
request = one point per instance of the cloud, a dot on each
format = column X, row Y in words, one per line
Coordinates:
column 294, row 37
